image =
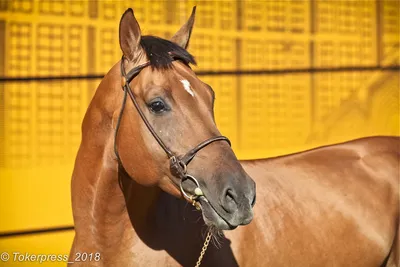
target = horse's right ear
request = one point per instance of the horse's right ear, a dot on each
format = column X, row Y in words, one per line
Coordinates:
column 129, row 35
column 182, row 37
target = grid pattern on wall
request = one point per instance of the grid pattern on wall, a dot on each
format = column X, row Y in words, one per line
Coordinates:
column 41, row 120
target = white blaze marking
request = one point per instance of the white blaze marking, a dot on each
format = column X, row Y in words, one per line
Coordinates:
column 186, row 86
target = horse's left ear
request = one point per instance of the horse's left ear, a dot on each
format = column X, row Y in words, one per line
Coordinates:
column 183, row 35
column 129, row 35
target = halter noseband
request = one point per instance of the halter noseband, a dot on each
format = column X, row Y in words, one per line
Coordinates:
column 178, row 164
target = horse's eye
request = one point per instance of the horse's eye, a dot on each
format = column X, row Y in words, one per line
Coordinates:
column 157, row 106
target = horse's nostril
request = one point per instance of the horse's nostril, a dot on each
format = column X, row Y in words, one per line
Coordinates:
column 230, row 196
column 228, row 201
column 254, row 201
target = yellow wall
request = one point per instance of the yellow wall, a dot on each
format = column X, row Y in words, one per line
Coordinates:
column 264, row 115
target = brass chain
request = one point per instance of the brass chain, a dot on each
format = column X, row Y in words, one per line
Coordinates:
column 204, row 249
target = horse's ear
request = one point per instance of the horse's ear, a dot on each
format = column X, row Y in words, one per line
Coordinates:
column 129, row 35
column 183, row 35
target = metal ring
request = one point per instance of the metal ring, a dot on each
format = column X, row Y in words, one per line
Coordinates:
column 187, row 176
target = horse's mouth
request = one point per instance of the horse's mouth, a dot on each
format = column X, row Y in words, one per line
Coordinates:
column 212, row 218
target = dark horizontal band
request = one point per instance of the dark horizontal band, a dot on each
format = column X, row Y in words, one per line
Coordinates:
column 213, row 73
column 36, row 231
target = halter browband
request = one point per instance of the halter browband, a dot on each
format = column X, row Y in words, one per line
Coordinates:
column 178, row 164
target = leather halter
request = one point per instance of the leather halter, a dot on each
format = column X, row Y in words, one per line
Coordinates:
column 178, row 164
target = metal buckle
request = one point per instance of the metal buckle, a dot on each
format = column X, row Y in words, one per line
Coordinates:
column 178, row 168
column 183, row 166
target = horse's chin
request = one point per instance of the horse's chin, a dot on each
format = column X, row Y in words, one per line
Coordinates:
column 212, row 218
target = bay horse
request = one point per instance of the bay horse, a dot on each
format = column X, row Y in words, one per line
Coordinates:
column 150, row 148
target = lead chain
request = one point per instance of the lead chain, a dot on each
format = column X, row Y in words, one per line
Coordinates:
column 204, row 249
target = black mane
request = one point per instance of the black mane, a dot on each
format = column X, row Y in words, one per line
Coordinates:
column 162, row 53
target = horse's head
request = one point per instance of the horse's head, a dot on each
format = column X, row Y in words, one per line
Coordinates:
column 178, row 106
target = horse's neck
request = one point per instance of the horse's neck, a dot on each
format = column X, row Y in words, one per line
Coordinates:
column 106, row 216
column 98, row 202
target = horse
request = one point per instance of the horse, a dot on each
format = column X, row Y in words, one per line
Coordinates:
column 155, row 183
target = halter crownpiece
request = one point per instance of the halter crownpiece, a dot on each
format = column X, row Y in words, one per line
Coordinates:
column 178, row 164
